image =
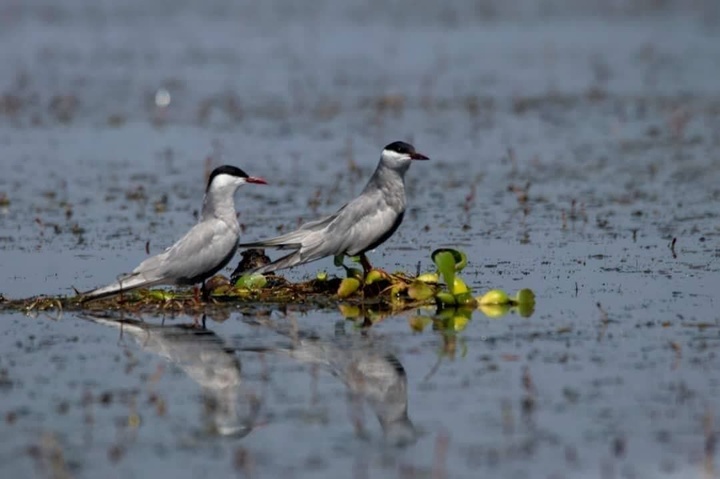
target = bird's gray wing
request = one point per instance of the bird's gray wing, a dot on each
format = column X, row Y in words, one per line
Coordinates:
column 294, row 239
column 365, row 223
column 205, row 247
column 352, row 230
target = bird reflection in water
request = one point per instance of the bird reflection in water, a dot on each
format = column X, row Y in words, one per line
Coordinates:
column 371, row 374
column 228, row 406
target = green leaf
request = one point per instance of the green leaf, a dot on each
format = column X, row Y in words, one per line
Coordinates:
column 251, row 281
column 445, row 299
column 466, row 299
column 428, row 278
column 525, row 296
column 347, row 287
column 445, row 262
column 374, row 276
column 419, row 291
column 459, row 287
column 161, row 294
column 494, row 296
column 525, row 302
column 460, row 258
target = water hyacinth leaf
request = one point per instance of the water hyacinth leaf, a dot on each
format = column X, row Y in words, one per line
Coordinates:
column 239, row 292
column 321, row 276
column 429, row 278
column 338, row 260
column 459, row 287
column 466, row 300
column 525, row 299
column 161, row 294
column 252, row 281
column 494, row 311
column 374, row 276
column 525, row 296
column 397, row 288
column 445, row 299
column 347, row 287
column 419, row 291
column 494, row 296
column 445, row 261
column 459, row 258
column 222, row 290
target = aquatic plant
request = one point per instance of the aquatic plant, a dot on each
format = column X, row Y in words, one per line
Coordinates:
column 367, row 299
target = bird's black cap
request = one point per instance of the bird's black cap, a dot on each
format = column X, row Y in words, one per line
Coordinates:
column 400, row 147
column 405, row 149
column 226, row 170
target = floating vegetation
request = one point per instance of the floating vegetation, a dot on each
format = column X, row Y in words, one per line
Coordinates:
column 442, row 292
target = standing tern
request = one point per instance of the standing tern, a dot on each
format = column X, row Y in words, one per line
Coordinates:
column 203, row 251
column 359, row 226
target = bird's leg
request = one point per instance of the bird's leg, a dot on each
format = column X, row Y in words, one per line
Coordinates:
column 365, row 264
column 205, row 293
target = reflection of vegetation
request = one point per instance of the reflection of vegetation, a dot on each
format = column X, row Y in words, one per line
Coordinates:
column 371, row 297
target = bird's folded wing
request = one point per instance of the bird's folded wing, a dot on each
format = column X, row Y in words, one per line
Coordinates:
column 294, row 239
column 362, row 224
column 201, row 249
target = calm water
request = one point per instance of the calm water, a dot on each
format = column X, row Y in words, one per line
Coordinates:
column 570, row 143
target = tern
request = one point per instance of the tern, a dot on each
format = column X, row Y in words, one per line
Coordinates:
column 203, row 251
column 357, row 227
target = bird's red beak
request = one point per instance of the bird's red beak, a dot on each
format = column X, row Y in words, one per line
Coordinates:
column 418, row 156
column 256, row 180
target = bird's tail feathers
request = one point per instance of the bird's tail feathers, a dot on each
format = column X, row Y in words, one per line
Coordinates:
column 294, row 239
column 287, row 261
column 123, row 284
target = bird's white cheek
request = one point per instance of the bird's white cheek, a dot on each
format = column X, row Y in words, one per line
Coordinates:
column 222, row 182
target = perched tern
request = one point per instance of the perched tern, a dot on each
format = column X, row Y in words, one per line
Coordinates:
column 203, row 251
column 359, row 226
